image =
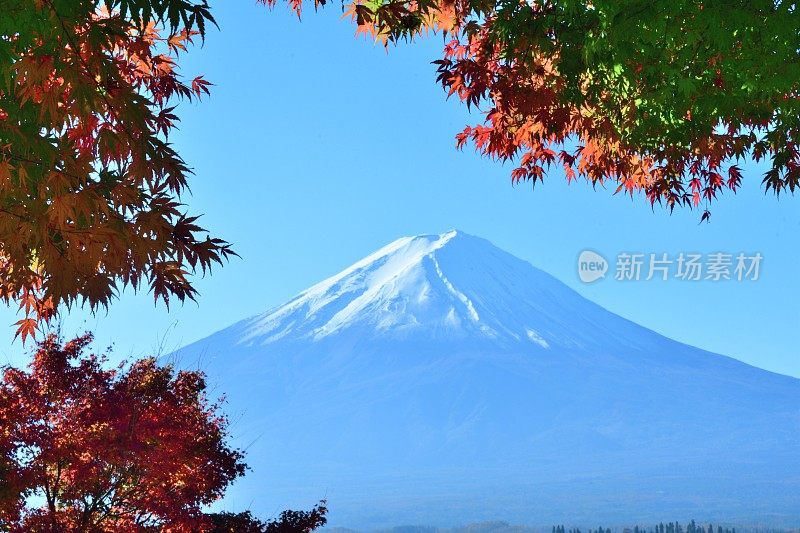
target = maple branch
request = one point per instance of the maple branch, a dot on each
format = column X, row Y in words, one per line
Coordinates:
column 15, row 157
column 76, row 51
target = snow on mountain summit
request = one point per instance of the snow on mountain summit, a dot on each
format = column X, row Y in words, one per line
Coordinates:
column 451, row 285
column 399, row 286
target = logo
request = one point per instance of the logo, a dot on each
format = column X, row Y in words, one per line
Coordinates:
column 591, row 266
column 685, row 266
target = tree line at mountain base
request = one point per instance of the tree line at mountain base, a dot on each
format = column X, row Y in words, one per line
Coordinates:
column 500, row 526
column 670, row 527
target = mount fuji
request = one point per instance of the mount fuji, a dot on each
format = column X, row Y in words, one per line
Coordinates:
column 442, row 381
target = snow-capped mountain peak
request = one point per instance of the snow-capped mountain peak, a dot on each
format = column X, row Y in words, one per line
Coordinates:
column 400, row 287
column 451, row 285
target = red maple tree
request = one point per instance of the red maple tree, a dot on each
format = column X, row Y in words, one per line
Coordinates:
column 86, row 449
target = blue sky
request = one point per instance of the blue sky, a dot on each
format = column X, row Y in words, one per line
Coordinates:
column 316, row 148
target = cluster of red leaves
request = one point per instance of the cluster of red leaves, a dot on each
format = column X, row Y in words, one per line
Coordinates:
column 529, row 122
column 536, row 116
column 129, row 450
column 90, row 187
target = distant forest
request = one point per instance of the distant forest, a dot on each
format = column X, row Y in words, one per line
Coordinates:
column 505, row 527
column 671, row 527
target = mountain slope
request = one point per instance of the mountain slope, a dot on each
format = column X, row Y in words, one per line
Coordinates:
column 441, row 380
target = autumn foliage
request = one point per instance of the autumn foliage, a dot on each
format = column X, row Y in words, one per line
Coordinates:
column 86, row 449
column 90, row 187
column 661, row 98
column 654, row 97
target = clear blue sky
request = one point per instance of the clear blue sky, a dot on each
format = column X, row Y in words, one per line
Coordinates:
column 316, row 148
